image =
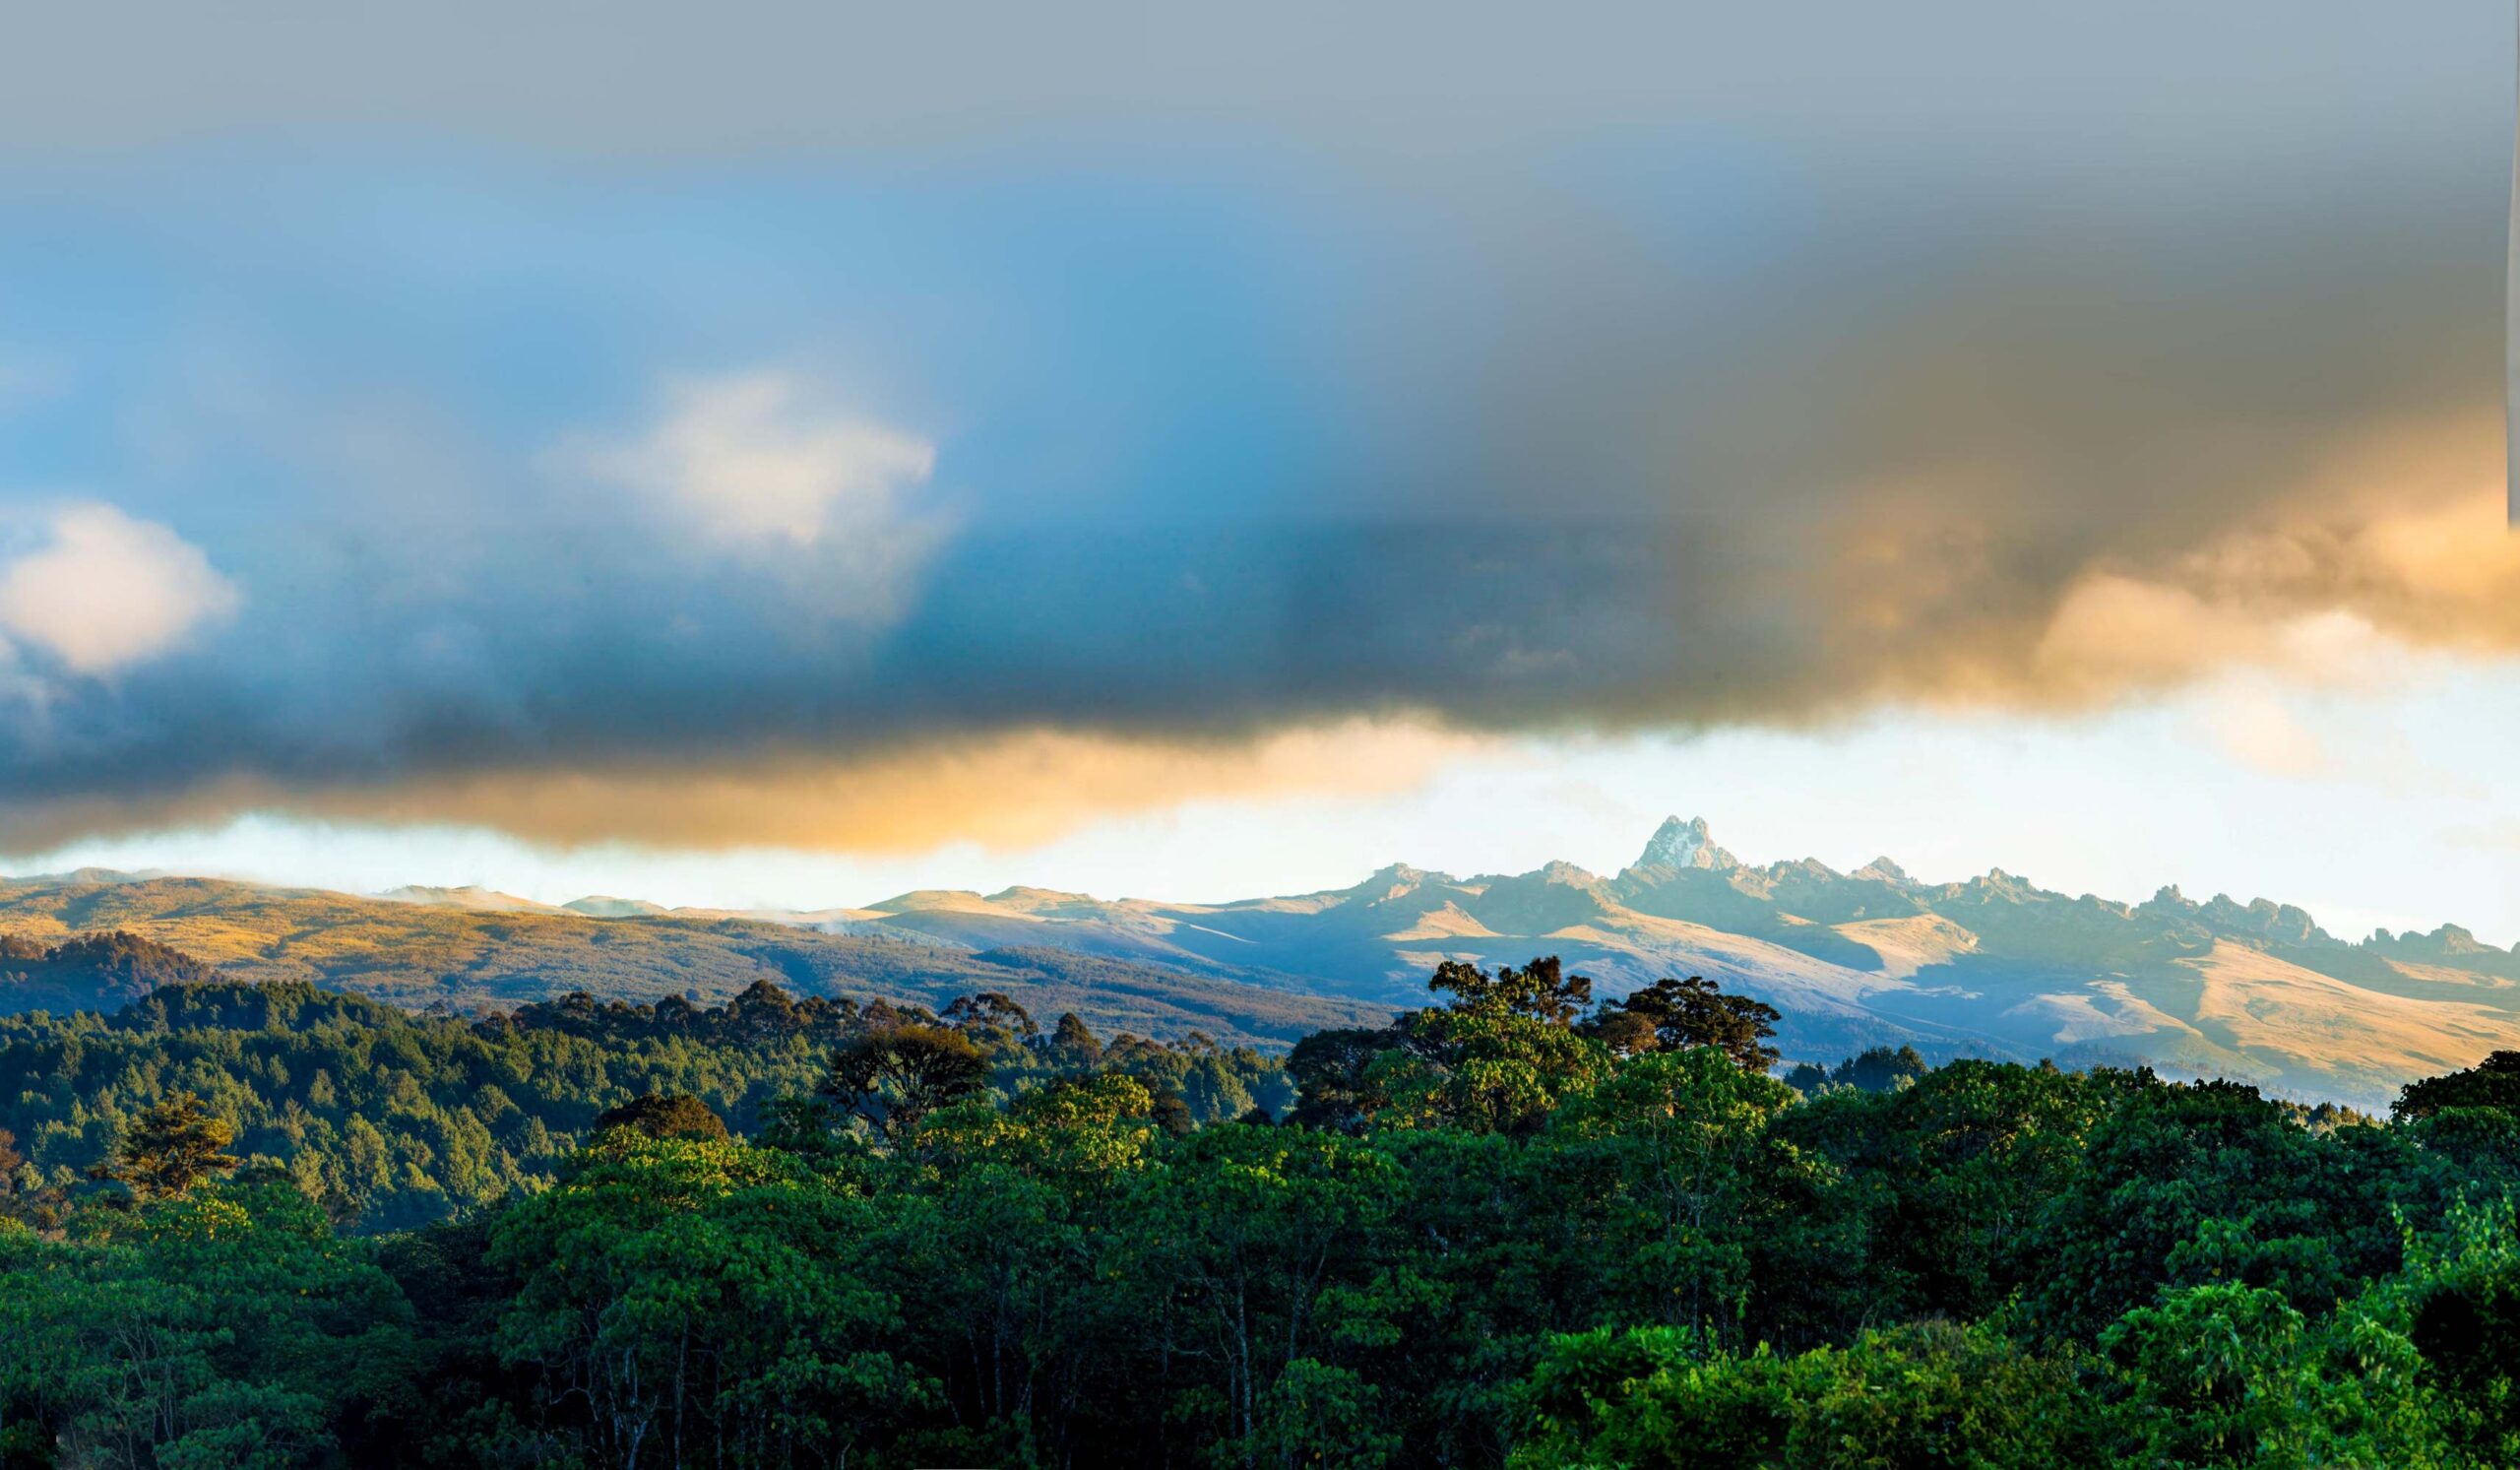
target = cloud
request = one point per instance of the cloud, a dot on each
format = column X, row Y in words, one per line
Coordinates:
column 1013, row 789
column 2396, row 542
column 756, row 460
column 601, row 688
column 747, row 458
column 1718, row 405
column 104, row 591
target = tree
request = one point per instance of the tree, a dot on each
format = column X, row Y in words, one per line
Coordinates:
column 1540, row 991
column 1934, row 1394
column 1928, row 1395
column 701, row 1301
column 2186, row 1184
column 1880, row 1069
column 2430, row 1355
column 661, row 1114
column 1003, row 1230
column 1073, row 1045
column 1250, row 1228
column 172, row 1146
column 1335, row 1081
column 2491, row 1083
column 1707, row 1216
column 1954, row 1171
column 1654, row 1396
column 1499, row 1055
column 993, row 1020
column 896, row 1076
column 1672, row 1015
column 2218, row 1375
column 762, row 1013
column 226, row 1326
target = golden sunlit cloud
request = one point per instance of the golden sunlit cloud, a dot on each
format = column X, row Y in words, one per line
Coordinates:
column 2394, row 545
column 1009, row 791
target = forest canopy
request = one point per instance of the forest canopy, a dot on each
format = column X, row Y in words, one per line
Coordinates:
column 1517, row 1228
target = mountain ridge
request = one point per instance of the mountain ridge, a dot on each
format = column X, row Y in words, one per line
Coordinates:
column 1993, row 964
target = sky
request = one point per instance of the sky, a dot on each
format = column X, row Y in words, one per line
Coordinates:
column 788, row 455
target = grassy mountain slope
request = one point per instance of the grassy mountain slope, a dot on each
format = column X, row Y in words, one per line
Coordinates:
column 418, row 955
column 1994, row 965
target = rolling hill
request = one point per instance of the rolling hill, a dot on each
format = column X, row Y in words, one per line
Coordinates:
column 1993, row 964
column 465, row 956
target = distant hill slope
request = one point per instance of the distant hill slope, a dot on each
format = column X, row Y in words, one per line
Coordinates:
column 91, row 972
column 1994, row 965
column 418, row 955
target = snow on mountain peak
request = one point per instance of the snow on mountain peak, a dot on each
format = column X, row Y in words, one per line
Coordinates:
column 1679, row 844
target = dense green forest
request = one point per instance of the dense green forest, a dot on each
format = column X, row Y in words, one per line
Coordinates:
column 1516, row 1229
column 388, row 1119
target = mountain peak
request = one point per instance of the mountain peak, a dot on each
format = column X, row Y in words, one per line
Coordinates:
column 1392, row 878
column 1679, row 844
column 1560, row 871
column 1390, row 881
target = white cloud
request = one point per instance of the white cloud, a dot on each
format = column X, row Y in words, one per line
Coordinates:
column 754, row 459
column 104, row 591
column 760, row 463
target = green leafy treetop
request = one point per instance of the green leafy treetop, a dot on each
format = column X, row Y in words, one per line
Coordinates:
column 2491, row 1083
column 993, row 1020
column 1497, row 1058
column 898, row 1075
column 171, row 1147
column 665, row 1114
column 1875, row 1070
column 1509, row 1045
column 1073, row 1043
column 1674, row 1015
column 1540, row 991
